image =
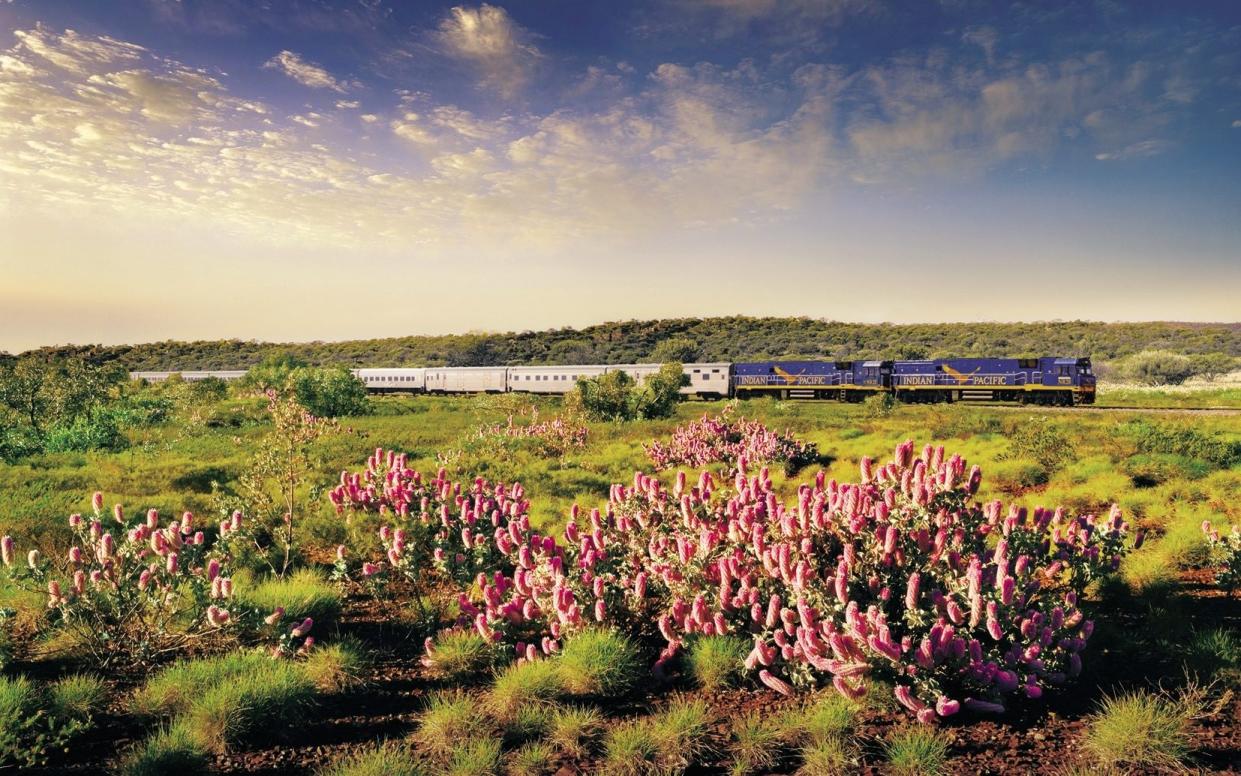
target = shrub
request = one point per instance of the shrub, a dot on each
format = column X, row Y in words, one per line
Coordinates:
column 383, row 760
column 1183, row 440
column 1157, row 367
column 901, row 578
column 731, row 442
column 916, row 752
column 137, row 598
column 330, row 392
column 716, row 662
column 1140, row 730
column 1225, row 556
column 599, row 661
column 615, row 396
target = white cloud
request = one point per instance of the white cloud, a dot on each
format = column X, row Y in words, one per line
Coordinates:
column 500, row 48
column 305, row 73
column 1139, row 150
column 1236, row 124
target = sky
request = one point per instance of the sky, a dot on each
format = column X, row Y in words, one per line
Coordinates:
column 298, row 170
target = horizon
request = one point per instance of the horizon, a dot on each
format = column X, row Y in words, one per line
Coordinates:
column 600, row 324
column 335, row 170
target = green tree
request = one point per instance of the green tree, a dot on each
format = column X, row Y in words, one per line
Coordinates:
column 1214, row 365
column 605, row 397
column 329, row 393
column 658, row 394
column 273, row 371
column 1157, row 367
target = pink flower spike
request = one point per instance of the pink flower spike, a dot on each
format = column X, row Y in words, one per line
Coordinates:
column 779, row 685
column 275, row 616
column 97, row 502
column 303, row 629
column 6, row 550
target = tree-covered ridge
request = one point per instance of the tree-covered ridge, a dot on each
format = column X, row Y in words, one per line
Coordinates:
column 734, row 338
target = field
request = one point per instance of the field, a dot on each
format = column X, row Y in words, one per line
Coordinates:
column 1155, row 694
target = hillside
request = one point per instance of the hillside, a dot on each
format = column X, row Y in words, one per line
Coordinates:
column 715, row 339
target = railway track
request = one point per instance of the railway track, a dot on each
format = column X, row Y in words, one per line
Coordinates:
column 1111, row 408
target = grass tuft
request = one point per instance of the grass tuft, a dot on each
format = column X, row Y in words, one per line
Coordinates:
column 573, row 729
column 177, row 749
column 916, row 751
column 460, row 655
column 716, row 662
column 1142, row 730
column 534, row 759
column 758, row 743
column 599, row 662
column 830, row 716
column 830, row 756
column 451, row 717
column 663, row 745
column 475, row 757
column 523, row 684
column 337, row 667
column 77, row 697
column 383, row 760
column 305, row 593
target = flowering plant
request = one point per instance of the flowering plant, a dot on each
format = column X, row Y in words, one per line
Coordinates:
column 131, row 588
column 733, row 442
column 1225, row 554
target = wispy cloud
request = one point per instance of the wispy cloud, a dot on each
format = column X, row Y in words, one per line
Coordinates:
column 500, row 48
column 305, row 73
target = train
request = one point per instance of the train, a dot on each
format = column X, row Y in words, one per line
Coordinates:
column 1048, row 380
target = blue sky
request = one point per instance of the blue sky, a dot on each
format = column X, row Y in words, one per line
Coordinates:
column 329, row 170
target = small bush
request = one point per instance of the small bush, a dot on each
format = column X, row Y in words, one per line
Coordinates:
column 599, row 662
column 1140, row 730
column 383, row 760
column 572, row 729
column 522, row 684
column 717, row 661
column 460, row 655
column 450, row 718
column 916, row 751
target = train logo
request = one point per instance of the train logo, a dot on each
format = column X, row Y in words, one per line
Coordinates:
column 960, row 377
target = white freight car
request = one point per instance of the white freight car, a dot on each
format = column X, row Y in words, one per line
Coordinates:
column 467, row 379
column 549, row 379
column 412, row 380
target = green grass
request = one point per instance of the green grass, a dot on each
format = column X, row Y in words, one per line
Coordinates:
column 828, row 716
column 20, row 706
column 1214, row 654
column 382, row 760
column 230, row 699
column 534, row 759
column 177, row 750
column 77, row 697
column 758, row 743
column 461, row 655
column 451, row 717
column 528, row 722
column 305, row 593
column 37, row 718
column 830, row 757
column 599, row 662
column 1141, row 730
column 523, row 684
column 916, row 751
column 573, row 729
column 716, row 662
column 664, row 744
column 337, row 667
column 474, row 757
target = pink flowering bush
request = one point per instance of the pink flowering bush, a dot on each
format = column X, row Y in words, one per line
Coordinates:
column 131, row 587
column 554, row 437
column 1225, row 554
column 730, row 441
column 901, row 577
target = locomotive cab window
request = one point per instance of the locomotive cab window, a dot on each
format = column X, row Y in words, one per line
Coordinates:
column 1027, row 363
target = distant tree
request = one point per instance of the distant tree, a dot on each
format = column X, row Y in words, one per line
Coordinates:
column 332, row 392
column 572, row 351
column 46, row 392
column 617, row 396
column 273, row 371
column 1214, row 365
column 681, row 350
column 659, row 393
column 474, row 350
column 1157, row 367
